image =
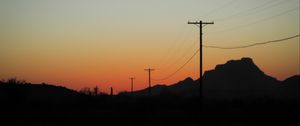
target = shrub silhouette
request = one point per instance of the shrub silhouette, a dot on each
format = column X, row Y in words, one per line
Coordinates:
column 86, row 91
column 13, row 81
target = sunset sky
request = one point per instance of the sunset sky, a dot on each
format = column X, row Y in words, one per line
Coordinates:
column 84, row 43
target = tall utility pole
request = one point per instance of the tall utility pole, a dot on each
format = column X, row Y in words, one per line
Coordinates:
column 200, row 25
column 149, row 72
column 131, row 78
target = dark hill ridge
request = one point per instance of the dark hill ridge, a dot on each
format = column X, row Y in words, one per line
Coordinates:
column 289, row 88
column 236, row 79
column 183, row 88
column 156, row 90
column 36, row 92
column 292, row 81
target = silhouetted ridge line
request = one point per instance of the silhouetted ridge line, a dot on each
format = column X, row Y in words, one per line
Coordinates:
column 10, row 91
column 250, row 45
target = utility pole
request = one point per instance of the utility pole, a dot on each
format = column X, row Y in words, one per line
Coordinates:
column 111, row 91
column 149, row 72
column 200, row 25
column 131, row 78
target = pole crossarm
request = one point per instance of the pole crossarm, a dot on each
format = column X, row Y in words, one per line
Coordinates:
column 199, row 22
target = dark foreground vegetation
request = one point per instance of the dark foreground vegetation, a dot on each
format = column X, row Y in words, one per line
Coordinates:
column 148, row 111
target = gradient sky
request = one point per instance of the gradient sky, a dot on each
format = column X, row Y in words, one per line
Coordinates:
column 84, row 43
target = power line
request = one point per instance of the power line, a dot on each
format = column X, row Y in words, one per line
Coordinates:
column 254, row 10
column 219, row 8
column 165, row 60
column 182, row 56
column 185, row 53
column 167, row 77
column 252, row 23
column 179, row 35
column 219, row 47
column 250, row 45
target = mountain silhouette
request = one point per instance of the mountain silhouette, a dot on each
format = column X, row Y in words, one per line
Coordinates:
column 236, row 79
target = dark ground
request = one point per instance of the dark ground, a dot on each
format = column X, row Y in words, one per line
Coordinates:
column 121, row 110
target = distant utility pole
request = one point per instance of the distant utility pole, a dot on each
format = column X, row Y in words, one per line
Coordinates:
column 149, row 71
column 200, row 25
column 111, row 91
column 131, row 78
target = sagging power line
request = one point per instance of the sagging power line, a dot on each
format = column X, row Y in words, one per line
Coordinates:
column 167, row 77
column 219, row 47
column 175, row 47
column 253, row 44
